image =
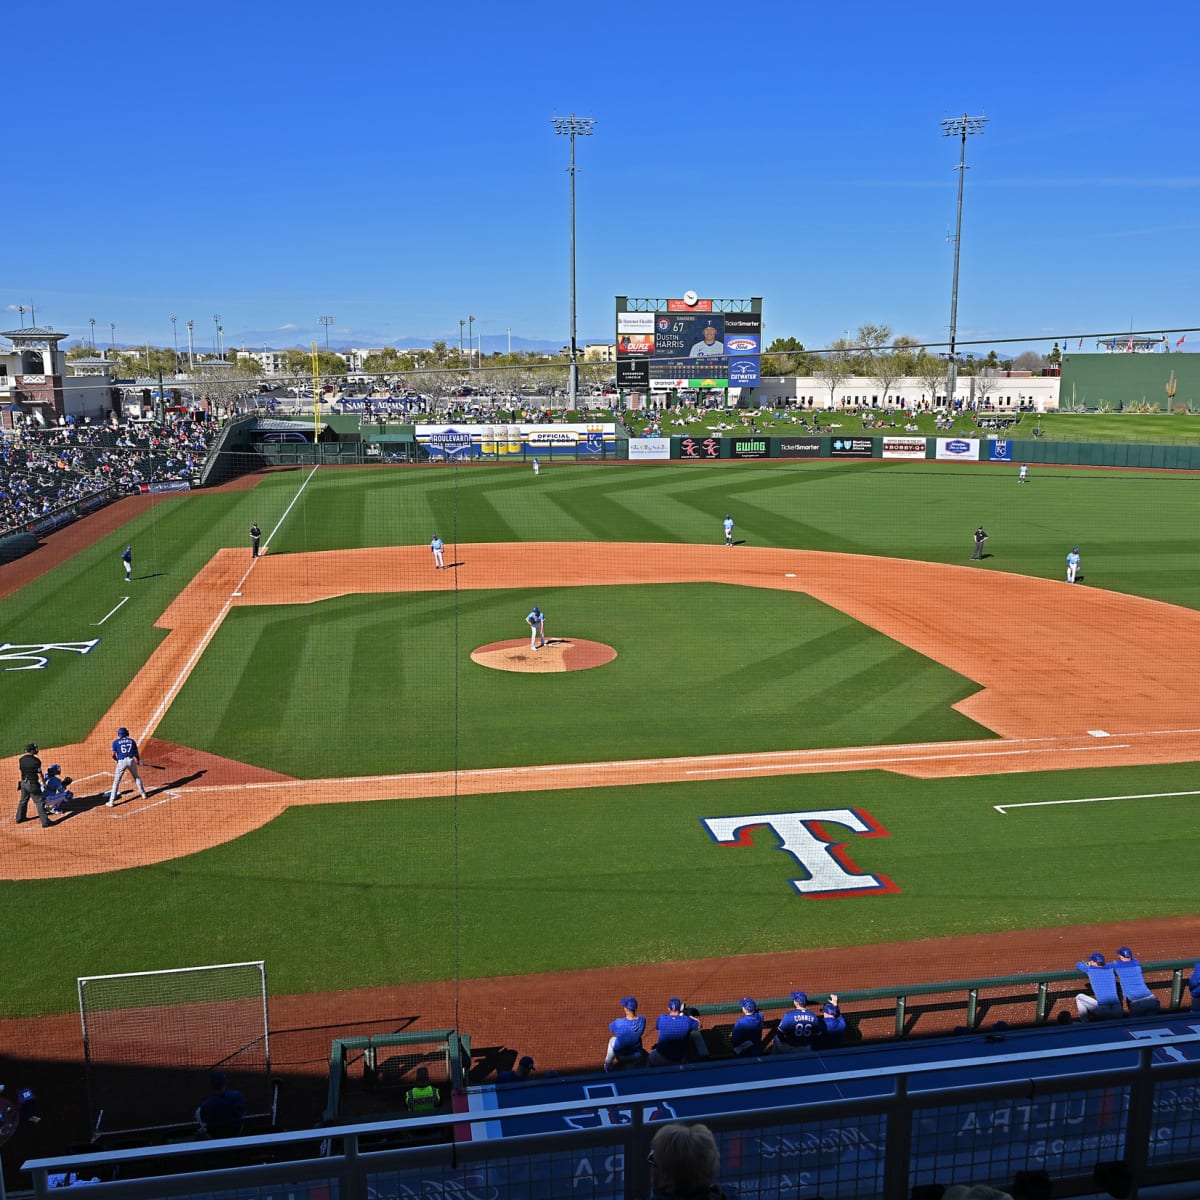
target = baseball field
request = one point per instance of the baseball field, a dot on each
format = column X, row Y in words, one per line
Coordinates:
column 836, row 754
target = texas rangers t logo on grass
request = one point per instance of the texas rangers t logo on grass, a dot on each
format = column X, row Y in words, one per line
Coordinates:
column 37, row 655
column 819, row 852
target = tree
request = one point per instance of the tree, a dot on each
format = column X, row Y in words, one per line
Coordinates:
column 1029, row 360
column 835, row 367
column 786, row 356
column 388, row 361
column 82, row 350
column 931, row 371
column 298, row 363
column 986, row 379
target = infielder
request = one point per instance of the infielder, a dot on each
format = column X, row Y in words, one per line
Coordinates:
column 438, row 547
column 125, row 755
column 1072, row 565
column 728, row 523
column 537, row 628
column 127, row 562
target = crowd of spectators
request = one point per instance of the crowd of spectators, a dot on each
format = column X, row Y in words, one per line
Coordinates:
column 44, row 470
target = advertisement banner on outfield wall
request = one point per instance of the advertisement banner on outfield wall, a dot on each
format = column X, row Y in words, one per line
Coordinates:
column 704, row 449
column 643, row 448
column 750, row 448
column 898, row 447
column 852, row 447
column 794, row 447
column 1000, row 450
column 443, row 442
column 961, row 448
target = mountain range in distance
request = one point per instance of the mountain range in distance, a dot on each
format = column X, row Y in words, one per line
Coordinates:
column 281, row 339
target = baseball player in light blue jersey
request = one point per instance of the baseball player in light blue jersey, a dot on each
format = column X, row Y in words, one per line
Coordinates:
column 537, row 628
column 1072, row 565
column 125, row 755
column 438, row 547
column 728, row 524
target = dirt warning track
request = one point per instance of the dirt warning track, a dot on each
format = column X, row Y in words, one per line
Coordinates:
column 1085, row 678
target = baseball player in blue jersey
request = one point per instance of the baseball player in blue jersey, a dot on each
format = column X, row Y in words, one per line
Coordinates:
column 1072, row 565
column 127, row 562
column 438, row 547
column 746, row 1035
column 675, row 1029
column 728, row 524
column 625, row 1045
column 798, row 1028
column 125, row 755
column 537, row 628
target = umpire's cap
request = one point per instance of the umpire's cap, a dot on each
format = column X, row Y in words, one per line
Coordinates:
column 31, row 748
column 122, row 732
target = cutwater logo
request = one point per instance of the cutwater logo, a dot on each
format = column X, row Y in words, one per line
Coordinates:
column 958, row 446
column 743, row 373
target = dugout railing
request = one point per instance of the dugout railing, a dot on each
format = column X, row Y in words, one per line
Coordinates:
column 1117, row 1113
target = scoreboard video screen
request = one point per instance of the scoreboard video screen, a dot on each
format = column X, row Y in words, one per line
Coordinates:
column 688, row 345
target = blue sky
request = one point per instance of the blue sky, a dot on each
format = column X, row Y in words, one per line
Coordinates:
column 394, row 166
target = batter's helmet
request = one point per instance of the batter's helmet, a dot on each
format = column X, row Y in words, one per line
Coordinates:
column 54, row 770
column 122, row 732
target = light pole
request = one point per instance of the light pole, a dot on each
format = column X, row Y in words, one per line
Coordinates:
column 112, row 338
column 471, row 340
column 191, row 350
column 572, row 127
column 92, row 323
column 326, row 321
column 958, row 127
column 217, row 327
column 461, row 323
column 175, row 336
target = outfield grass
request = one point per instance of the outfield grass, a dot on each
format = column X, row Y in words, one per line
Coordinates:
column 410, row 891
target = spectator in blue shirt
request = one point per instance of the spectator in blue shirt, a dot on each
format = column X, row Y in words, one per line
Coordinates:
column 746, row 1036
column 625, row 1046
column 1104, row 1001
column 675, row 1029
column 1138, row 997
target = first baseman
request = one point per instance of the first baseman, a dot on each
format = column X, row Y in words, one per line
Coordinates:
column 537, row 628
column 125, row 755
column 438, row 547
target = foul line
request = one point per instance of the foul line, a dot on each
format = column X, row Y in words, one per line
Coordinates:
column 145, row 807
column 123, row 600
column 1003, row 808
column 202, row 645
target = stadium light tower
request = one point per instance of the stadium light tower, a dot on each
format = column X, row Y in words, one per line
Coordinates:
column 958, row 127
column 326, row 321
column 573, row 127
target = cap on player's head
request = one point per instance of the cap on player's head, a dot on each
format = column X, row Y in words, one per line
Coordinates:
column 1076, row 550
column 526, row 1064
column 1096, row 958
column 749, row 1005
column 31, row 748
column 122, row 732
column 1124, row 952
column 800, row 998
column 674, row 1004
column 53, row 770
column 217, row 1080
column 710, row 324
column 829, row 1008
column 629, row 1002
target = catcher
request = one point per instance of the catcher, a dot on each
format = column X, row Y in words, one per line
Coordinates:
column 56, row 789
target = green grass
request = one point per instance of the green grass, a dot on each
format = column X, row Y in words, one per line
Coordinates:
column 701, row 669
column 385, row 892
column 409, row 891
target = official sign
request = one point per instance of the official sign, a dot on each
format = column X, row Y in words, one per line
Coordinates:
column 960, row 448
column 852, row 447
column 898, row 447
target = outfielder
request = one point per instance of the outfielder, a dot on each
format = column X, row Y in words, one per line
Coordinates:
column 438, row 547
column 125, row 755
column 1072, row 565
column 537, row 628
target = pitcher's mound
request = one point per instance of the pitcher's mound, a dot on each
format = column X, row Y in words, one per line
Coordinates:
column 558, row 654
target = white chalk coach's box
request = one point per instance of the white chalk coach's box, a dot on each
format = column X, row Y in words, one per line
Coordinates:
column 652, row 447
column 962, row 448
